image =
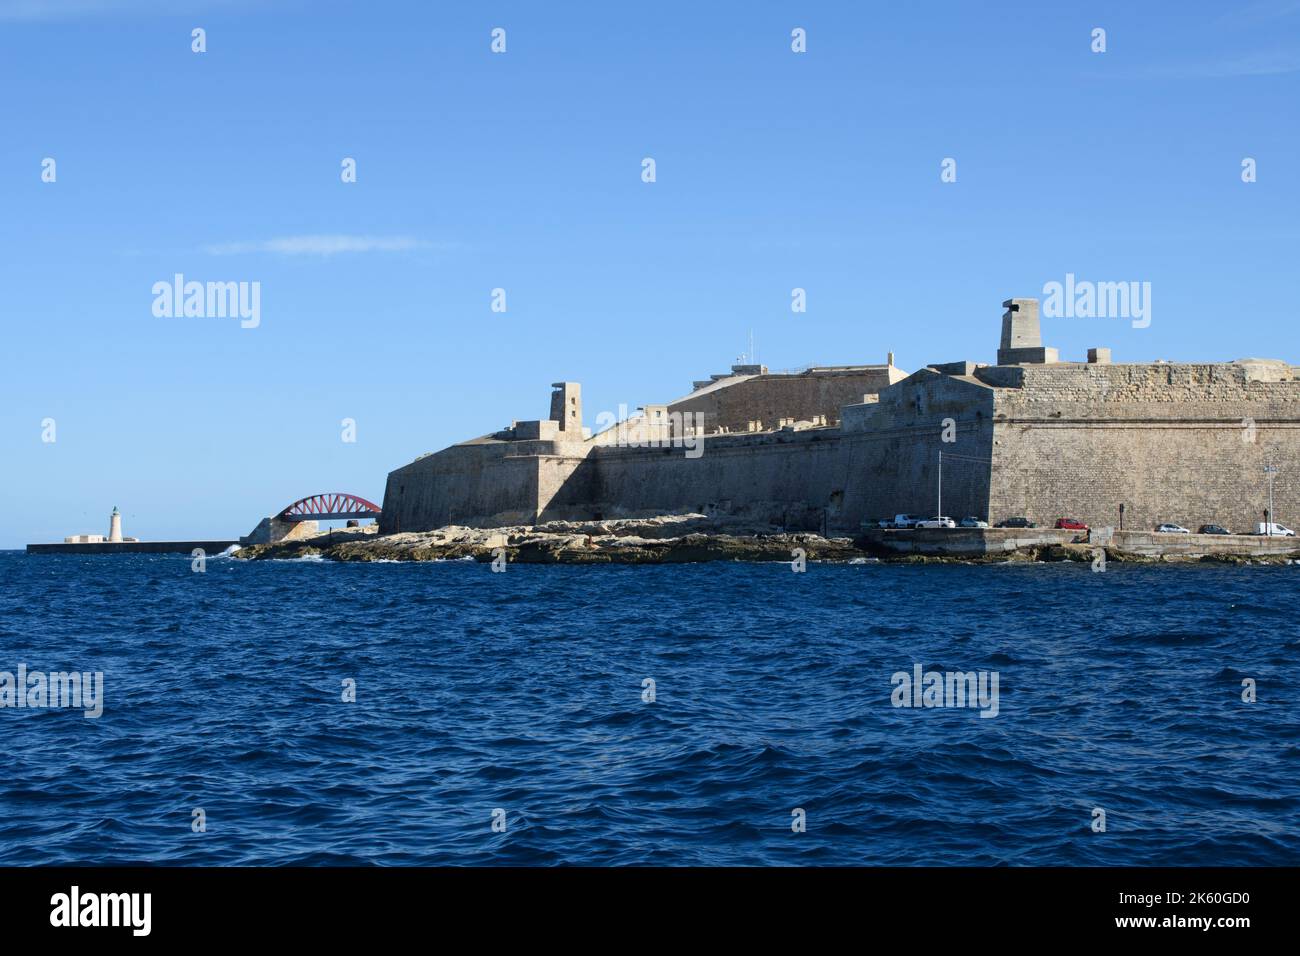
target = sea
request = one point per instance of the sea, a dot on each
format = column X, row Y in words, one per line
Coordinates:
column 442, row 714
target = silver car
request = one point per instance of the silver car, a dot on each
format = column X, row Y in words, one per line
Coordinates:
column 939, row 522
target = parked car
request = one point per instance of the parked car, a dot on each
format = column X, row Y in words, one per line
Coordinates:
column 907, row 521
column 1274, row 528
column 973, row 523
column 1168, row 528
column 1213, row 529
column 1015, row 523
column 1070, row 524
column 939, row 521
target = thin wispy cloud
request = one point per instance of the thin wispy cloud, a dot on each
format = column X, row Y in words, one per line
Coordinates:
column 324, row 245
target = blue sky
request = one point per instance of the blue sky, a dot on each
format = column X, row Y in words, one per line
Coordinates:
column 522, row 171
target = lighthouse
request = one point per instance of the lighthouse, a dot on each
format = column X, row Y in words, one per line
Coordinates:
column 115, row 525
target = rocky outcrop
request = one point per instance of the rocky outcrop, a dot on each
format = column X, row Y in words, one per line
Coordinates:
column 696, row 537
column 657, row 540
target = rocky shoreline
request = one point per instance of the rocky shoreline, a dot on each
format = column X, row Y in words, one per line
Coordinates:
column 662, row 540
column 666, row 539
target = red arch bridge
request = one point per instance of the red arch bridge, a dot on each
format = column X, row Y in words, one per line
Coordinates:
column 329, row 506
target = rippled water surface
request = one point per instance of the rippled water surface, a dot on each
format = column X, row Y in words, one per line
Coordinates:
column 523, row 691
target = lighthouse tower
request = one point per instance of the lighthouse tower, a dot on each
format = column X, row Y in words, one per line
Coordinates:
column 115, row 525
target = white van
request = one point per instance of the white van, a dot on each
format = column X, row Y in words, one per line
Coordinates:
column 1273, row 528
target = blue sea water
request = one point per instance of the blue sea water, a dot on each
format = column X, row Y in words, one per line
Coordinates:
column 522, row 692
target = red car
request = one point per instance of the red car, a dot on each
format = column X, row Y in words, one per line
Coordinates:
column 1069, row 524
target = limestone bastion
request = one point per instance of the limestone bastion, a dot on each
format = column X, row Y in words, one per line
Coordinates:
column 832, row 449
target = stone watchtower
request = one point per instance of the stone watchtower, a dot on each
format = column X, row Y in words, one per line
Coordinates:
column 566, row 408
column 1022, row 341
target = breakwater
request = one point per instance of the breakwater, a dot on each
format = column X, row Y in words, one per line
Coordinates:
column 131, row 547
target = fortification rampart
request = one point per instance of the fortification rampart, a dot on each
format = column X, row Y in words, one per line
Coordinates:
column 484, row 482
column 794, row 479
column 1186, row 443
column 892, row 449
column 1180, row 443
column 770, row 398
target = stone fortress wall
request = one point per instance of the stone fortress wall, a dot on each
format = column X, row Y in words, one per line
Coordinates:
column 1171, row 442
column 482, row 482
column 891, row 447
column 834, row 447
column 751, row 396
